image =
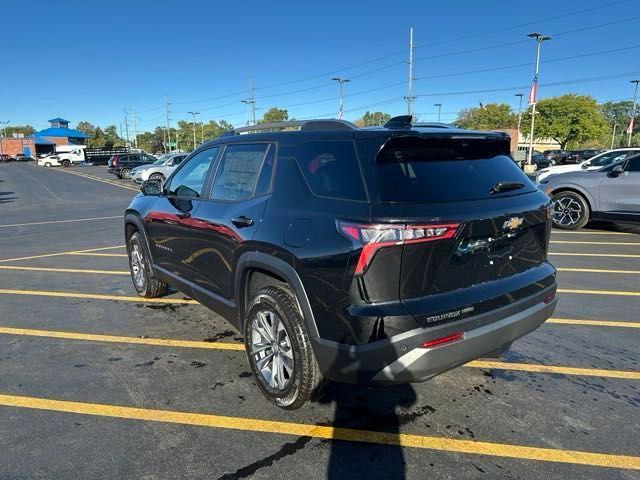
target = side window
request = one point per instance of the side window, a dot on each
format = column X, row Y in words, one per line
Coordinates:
column 264, row 180
column 177, row 160
column 188, row 181
column 331, row 169
column 238, row 172
column 633, row 165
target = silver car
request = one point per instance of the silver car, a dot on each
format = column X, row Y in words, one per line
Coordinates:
column 611, row 193
column 158, row 170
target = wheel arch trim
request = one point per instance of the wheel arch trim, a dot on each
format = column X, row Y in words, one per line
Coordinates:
column 258, row 260
column 133, row 219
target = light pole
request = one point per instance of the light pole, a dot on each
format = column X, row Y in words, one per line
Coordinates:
column 439, row 105
column 201, row 132
column 193, row 114
column 534, row 93
column 633, row 112
column 341, row 82
column 613, row 135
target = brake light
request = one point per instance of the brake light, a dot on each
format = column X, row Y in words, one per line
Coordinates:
column 442, row 340
column 114, row 161
column 372, row 238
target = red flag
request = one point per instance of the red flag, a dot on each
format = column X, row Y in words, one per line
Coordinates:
column 630, row 127
column 533, row 93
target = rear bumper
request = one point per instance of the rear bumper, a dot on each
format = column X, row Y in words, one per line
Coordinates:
column 399, row 359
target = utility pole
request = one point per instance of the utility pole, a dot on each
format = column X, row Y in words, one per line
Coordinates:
column 201, row 132
column 4, row 126
column 534, row 93
column 251, row 101
column 519, row 95
column 126, row 126
column 166, row 114
column 341, row 82
column 613, row 136
column 410, row 97
column 135, row 130
column 633, row 113
column 439, row 105
column 193, row 114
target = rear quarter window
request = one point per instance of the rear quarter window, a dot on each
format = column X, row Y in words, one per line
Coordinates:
column 330, row 168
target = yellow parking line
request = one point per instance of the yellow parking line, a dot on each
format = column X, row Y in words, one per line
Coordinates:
column 611, row 255
column 571, row 242
column 161, row 342
column 597, row 270
column 95, row 296
column 97, row 179
column 525, row 367
column 87, row 254
column 327, row 432
column 72, row 252
column 597, row 323
column 60, row 221
column 64, row 270
column 599, row 292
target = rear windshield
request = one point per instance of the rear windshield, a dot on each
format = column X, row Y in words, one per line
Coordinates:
column 417, row 169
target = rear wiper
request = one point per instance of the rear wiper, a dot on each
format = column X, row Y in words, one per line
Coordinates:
column 506, row 186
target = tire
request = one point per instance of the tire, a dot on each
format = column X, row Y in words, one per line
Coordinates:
column 66, row 163
column 47, row 164
column 570, row 210
column 125, row 173
column 142, row 276
column 157, row 176
column 299, row 376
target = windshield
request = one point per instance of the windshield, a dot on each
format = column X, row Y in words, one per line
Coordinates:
column 160, row 161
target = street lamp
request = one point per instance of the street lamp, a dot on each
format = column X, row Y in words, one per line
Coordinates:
column 633, row 112
column 193, row 114
column 439, row 105
column 539, row 38
column 341, row 82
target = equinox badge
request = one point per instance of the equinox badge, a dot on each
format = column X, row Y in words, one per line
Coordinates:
column 513, row 223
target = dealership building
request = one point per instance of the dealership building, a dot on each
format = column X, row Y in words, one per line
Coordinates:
column 43, row 141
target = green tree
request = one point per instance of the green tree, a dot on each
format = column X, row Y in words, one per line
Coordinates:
column 487, row 117
column 11, row 129
column 371, row 119
column 571, row 120
column 618, row 114
column 275, row 114
column 86, row 128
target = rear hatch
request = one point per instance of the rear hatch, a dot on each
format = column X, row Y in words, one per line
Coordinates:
column 496, row 220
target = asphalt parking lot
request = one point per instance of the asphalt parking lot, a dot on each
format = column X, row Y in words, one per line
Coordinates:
column 98, row 383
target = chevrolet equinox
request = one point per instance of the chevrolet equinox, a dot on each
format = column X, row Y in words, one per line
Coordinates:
column 362, row 255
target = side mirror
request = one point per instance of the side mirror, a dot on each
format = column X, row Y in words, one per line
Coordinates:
column 617, row 170
column 151, row 188
column 585, row 165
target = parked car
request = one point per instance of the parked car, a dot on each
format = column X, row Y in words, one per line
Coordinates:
column 123, row 165
column 158, row 170
column 559, row 157
column 610, row 193
column 4, row 157
column 380, row 255
column 579, row 156
column 21, row 157
column 540, row 161
column 594, row 163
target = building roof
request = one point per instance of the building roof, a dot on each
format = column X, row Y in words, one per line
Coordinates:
column 58, row 120
column 61, row 132
column 42, row 141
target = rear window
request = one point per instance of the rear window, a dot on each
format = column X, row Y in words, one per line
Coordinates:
column 331, row 169
column 417, row 170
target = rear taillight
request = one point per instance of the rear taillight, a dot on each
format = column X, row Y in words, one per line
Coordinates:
column 114, row 161
column 372, row 238
column 443, row 340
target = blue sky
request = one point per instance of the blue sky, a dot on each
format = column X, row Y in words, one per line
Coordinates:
column 90, row 60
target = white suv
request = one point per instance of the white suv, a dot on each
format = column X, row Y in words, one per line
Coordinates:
column 594, row 163
column 158, row 170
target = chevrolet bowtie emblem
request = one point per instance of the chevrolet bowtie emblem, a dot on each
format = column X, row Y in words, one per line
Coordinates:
column 513, row 223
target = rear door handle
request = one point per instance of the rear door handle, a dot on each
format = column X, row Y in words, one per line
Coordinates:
column 242, row 221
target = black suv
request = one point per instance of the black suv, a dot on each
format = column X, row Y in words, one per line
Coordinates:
column 122, row 164
column 559, row 157
column 376, row 255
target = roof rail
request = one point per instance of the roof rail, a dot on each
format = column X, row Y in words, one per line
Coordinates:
column 305, row 125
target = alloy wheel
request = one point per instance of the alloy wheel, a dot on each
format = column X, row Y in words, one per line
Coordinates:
column 271, row 349
column 567, row 211
column 137, row 266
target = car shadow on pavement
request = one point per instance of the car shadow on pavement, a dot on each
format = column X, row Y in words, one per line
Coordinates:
column 367, row 408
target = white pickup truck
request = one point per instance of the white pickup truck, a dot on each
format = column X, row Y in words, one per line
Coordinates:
column 65, row 155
